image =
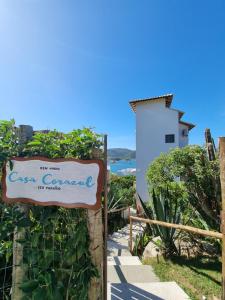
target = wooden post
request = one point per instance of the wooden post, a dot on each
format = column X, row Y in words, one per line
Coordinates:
column 25, row 133
column 95, row 228
column 210, row 146
column 105, row 220
column 131, row 237
column 222, row 180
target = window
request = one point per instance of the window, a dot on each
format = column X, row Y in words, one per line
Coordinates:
column 170, row 138
column 184, row 132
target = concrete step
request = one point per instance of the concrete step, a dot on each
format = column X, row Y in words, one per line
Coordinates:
column 118, row 252
column 123, row 260
column 118, row 235
column 134, row 229
column 115, row 248
column 146, row 291
column 120, row 240
column 129, row 274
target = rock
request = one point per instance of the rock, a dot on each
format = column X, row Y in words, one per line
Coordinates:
column 151, row 250
column 128, row 212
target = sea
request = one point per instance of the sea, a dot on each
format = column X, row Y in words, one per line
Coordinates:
column 123, row 167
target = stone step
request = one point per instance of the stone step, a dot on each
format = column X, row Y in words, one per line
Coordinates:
column 146, row 291
column 123, row 260
column 129, row 274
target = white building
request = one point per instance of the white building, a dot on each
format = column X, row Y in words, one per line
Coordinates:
column 158, row 129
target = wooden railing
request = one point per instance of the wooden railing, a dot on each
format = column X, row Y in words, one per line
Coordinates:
column 213, row 234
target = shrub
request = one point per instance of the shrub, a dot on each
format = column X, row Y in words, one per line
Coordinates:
column 121, row 195
column 122, row 189
column 192, row 179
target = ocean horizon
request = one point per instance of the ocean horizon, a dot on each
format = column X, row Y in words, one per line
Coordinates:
column 117, row 166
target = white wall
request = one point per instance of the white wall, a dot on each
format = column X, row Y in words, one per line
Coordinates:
column 183, row 140
column 153, row 121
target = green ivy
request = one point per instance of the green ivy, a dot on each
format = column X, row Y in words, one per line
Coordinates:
column 56, row 244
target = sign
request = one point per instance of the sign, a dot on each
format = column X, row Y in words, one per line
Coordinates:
column 62, row 182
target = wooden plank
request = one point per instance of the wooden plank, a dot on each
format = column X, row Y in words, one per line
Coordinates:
column 105, row 221
column 194, row 230
column 222, row 180
column 95, row 229
column 131, row 237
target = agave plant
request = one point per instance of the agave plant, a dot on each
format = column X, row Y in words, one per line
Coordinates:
column 164, row 208
column 113, row 203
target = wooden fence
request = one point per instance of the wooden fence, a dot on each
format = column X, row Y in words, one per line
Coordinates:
column 213, row 234
column 97, row 233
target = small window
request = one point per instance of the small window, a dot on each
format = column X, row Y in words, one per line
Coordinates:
column 170, row 138
column 184, row 132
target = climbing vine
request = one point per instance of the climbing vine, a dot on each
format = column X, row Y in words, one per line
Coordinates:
column 56, row 242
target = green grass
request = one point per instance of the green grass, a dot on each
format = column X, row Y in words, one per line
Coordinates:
column 197, row 276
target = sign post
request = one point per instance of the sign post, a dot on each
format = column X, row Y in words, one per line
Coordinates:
column 95, row 228
column 24, row 133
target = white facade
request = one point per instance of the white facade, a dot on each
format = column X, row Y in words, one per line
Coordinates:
column 154, row 120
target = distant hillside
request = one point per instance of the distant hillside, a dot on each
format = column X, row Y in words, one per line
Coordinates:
column 121, row 153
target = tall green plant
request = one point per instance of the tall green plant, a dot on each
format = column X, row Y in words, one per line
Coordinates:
column 163, row 208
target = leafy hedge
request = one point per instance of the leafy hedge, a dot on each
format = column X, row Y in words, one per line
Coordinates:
column 56, row 242
column 122, row 190
column 193, row 180
column 120, row 195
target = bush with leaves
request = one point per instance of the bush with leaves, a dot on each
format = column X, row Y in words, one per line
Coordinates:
column 191, row 178
column 122, row 190
column 121, row 195
column 56, row 244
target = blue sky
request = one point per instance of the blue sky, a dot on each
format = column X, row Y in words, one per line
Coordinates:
column 68, row 64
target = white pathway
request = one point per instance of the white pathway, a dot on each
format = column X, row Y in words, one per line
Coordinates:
column 128, row 279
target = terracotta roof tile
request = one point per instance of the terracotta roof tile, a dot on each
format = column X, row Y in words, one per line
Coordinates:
column 168, row 97
column 190, row 125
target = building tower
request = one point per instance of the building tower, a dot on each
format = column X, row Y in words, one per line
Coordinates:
column 158, row 129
